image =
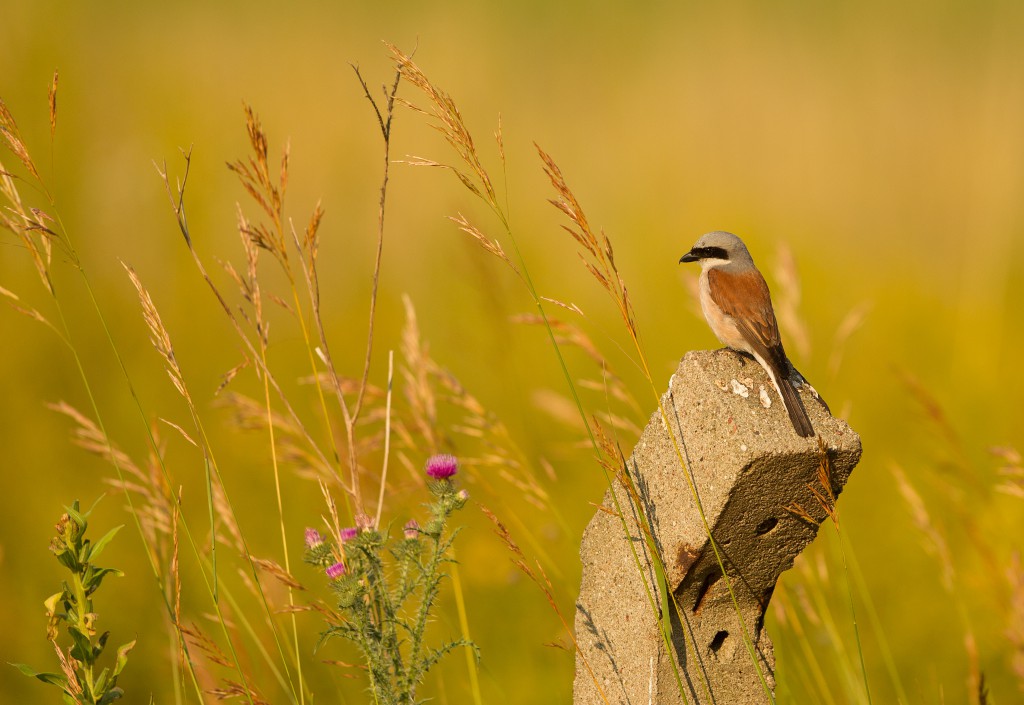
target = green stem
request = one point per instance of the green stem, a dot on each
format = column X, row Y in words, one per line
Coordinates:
column 853, row 613
column 84, row 607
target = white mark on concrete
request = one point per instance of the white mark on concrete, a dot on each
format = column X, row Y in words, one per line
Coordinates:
column 740, row 388
column 766, row 400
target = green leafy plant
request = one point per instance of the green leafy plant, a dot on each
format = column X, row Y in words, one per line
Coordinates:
column 73, row 608
column 386, row 588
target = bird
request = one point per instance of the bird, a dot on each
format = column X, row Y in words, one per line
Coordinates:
column 738, row 307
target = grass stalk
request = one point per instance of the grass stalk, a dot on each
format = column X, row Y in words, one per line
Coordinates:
column 879, row 629
column 794, row 617
column 281, row 523
column 472, row 667
column 387, row 439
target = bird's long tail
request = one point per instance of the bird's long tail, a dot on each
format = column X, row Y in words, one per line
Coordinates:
column 795, row 407
column 779, row 374
column 778, row 368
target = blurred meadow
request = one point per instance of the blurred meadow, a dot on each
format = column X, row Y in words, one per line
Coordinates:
column 871, row 155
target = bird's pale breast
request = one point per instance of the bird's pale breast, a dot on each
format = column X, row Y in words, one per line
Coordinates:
column 722, row 325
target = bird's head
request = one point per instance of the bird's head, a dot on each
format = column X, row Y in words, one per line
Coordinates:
column 717, row 249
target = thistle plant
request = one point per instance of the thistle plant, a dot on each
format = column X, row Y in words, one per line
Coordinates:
column 386, row 588
column 79, row 680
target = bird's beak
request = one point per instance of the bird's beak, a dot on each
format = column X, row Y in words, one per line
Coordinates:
column 689, row 257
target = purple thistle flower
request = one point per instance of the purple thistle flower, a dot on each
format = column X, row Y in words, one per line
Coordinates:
column 364, row 522
column 335, row 571
column 313, row 538
column 463, row 495
column 348, row 534
column 412, row 529
column 441, row 467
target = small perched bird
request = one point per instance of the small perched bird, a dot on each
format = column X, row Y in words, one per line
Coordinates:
column 738, row 307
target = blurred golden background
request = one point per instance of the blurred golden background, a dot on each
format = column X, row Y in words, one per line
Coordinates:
column 879, row 145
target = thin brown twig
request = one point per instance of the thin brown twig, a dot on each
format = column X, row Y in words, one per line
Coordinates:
column 384, row 119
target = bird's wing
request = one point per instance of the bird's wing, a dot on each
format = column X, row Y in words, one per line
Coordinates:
column 744, row 297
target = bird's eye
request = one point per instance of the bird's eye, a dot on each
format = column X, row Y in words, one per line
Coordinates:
column 713, row 253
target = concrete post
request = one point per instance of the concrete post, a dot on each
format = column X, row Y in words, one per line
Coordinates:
column 753, row 476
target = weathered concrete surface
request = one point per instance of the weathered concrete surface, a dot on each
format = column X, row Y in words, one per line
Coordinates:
column 748, row 466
